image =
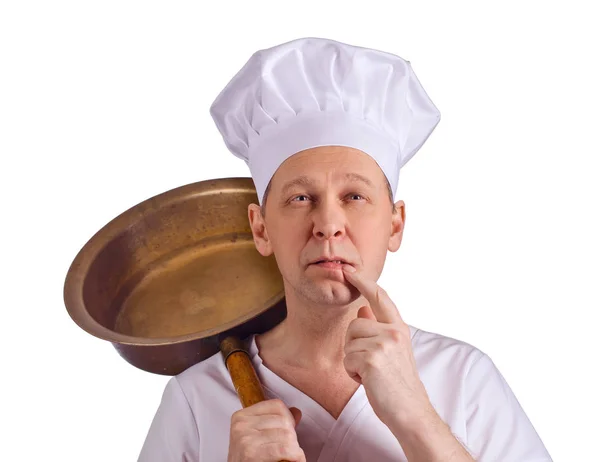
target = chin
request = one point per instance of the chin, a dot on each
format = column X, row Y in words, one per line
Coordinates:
column 328, row 292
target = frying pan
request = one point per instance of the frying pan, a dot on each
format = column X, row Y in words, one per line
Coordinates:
column 176, row 279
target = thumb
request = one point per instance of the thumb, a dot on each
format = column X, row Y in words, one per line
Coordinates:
column 297, row 413
column 366, row 312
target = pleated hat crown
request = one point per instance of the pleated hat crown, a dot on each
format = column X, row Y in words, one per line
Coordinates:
column 313, row 92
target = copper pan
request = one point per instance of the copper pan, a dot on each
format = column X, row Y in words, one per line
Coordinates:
column 177, row 278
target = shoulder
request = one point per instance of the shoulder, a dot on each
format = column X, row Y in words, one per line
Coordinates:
column 207, row 384
column 429, row 344
column 436, row 353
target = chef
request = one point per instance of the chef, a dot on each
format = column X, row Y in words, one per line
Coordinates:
column 325, row 128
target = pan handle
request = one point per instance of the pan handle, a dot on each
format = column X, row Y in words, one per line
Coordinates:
column 243, row 375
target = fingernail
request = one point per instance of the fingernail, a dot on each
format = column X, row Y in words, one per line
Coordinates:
column 349, row 268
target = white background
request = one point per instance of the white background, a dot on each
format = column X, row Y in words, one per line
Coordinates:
column 105, row 104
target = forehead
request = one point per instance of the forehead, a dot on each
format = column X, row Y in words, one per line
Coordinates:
column 336, row 163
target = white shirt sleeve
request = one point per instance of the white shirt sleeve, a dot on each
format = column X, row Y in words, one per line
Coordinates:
column 497, row 427
column 173, row 434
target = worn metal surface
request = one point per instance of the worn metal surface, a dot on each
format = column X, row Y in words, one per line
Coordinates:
column 171, row 277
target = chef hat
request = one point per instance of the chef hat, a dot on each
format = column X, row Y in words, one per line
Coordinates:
column 313, row 92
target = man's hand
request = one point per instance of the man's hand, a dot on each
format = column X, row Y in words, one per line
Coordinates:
column 379, row 355
column 265, row 432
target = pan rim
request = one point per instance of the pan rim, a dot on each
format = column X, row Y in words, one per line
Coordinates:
column 80, row 266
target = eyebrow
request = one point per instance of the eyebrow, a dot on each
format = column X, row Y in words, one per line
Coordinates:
column 359, row 178
column 303, row 180
column 299, row 181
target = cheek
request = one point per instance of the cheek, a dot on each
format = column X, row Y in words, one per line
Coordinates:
column 287, row 241
column 372, row 238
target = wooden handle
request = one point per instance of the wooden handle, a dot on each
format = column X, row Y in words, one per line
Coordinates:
column 242, row 371
column 243, row 375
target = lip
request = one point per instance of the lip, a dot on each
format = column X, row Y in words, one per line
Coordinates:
column 330, row 265
column 330, row 258
column 329, row 262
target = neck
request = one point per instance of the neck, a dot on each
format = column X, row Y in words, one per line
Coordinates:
column 312, row 336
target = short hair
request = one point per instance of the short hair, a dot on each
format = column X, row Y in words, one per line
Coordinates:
column 263, row 207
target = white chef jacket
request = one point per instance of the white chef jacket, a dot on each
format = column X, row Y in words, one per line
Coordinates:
column 469, row 393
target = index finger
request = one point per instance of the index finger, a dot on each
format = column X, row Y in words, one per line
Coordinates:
column 382, row 305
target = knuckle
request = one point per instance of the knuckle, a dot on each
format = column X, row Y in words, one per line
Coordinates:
column 370, row 359
column 401, row 332
column 288, row 423
column 275, row 404
column 380, row 348
column 278, row 451
column 281, row 404
column 284, row 450
column 246, row 443
column 248, row 453
column 290, row 434
column 236, row 427
column 235, row 416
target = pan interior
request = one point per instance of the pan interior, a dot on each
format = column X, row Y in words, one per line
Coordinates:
column 212, row 284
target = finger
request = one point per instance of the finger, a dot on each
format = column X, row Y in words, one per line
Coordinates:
column 366, row 312
column 368, row 344
column 269, row 407
column 353, row 363
column 278, row 444
column 381, row 304
column 269, row 421
column 360, row 328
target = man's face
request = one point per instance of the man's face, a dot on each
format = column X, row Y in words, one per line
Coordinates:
column 330, row 202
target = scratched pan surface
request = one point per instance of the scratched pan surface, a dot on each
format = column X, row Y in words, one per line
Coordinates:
column 167, row 279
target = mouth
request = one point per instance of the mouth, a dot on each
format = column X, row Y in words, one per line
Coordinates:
column 333, row 263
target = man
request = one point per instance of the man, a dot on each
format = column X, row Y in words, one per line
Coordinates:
column 325, row 128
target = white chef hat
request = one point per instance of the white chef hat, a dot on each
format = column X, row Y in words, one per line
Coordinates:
column 313, row 92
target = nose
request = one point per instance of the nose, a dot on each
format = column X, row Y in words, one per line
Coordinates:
column 329, row 221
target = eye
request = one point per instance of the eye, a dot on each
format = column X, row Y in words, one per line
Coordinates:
column 300, row 195
column 356, row 195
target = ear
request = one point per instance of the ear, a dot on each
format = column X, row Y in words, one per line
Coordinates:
column 397, row 227
column 259, row 230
